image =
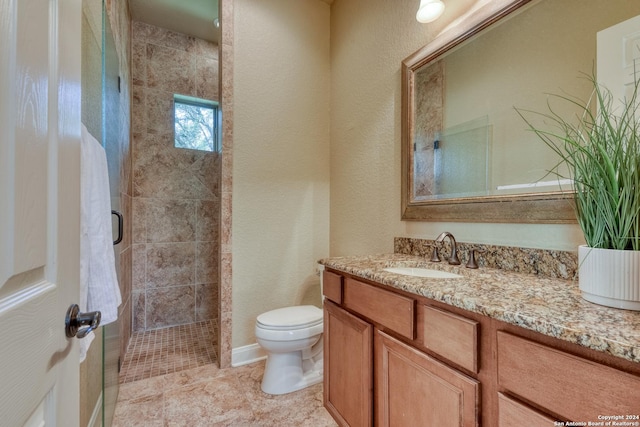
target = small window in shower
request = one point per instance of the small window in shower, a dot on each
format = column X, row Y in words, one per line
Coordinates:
column 196, row 123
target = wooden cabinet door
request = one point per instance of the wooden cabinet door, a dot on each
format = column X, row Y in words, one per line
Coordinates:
column 348, row 369
column 413, row 389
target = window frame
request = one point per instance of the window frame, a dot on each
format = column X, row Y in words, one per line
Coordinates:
column 202, row 103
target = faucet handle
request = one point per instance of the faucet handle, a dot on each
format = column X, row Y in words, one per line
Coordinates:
column 472, row 258
column 434, row 255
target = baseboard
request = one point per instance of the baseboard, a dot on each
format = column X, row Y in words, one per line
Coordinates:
column 96, row 416
column 247, row 354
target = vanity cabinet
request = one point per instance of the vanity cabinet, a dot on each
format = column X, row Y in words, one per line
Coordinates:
column 374, row 376
column 395, row 358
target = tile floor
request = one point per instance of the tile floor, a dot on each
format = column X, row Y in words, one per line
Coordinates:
column 209, row 396
column 169, row 378
column 169, row 350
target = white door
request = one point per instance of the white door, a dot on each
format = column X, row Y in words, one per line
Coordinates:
column 618, row 59
column 39, row 210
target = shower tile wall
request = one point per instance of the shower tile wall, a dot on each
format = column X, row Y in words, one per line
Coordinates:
column 175, row 191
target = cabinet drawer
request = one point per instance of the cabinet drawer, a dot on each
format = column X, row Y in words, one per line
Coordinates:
column 570, row 386
column 512, row 413
column 451, row 336
column 332, row 286
column 391, row 310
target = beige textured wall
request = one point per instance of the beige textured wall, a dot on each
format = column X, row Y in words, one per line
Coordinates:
column 280, row 156
column 369, row 39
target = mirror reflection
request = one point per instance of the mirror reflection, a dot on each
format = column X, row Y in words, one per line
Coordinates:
column 466, row 138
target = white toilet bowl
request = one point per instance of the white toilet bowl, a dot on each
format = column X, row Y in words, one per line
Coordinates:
column 291, row 336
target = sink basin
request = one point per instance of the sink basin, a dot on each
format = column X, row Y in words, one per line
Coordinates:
column 423, row 272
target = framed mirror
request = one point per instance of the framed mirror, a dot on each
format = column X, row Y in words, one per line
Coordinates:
column 466, row 153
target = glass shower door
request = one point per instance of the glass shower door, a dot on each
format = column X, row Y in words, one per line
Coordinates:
column 110, row 140
column 101, row 116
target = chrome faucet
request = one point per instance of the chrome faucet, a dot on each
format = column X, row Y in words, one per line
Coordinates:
column 453, row 259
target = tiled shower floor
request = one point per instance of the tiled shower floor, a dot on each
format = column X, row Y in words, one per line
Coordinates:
column 164, row 351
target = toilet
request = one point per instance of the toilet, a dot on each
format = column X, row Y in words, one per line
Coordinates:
column 292, row 339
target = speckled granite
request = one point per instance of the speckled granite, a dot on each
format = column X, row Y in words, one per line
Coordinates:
column 543, row 262
column 550, row 306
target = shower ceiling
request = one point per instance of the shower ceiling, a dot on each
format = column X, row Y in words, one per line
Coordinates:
column 192, row 17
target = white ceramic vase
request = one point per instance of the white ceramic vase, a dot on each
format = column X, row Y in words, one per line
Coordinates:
column 610, row 277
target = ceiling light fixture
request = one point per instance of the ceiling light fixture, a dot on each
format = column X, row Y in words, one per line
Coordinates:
column 429, row 10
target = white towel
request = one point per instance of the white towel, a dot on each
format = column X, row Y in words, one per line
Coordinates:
column 99, row 289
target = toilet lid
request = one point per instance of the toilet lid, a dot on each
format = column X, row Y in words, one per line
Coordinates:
column 301, row 316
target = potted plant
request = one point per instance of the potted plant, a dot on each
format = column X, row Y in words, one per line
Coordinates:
column 600, row 149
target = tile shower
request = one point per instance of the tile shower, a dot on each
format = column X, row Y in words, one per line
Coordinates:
column 176, row 192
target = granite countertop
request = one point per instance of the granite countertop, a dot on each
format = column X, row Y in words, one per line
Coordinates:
column 550, row 306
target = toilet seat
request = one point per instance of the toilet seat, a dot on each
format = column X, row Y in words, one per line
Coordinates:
column 290, row 318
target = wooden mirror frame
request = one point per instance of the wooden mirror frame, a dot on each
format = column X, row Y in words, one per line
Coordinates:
column 544, row 207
